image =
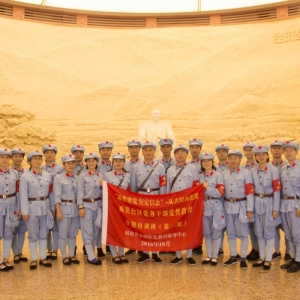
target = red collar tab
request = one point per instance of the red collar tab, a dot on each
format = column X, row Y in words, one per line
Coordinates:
column 237, row 170
column 37, row 173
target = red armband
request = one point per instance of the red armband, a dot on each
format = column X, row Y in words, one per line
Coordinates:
column 249, row 188
column 276, row 185
column 162, row 180
column 221, row 189
column 17, row 186
column 51, row 188
column 196, row 182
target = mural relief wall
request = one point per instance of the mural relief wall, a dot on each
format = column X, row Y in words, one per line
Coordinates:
column 69, row 85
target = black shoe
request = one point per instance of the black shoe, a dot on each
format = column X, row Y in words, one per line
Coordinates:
column 276, row 255
column 143, row 258
column 107, row 250
column 117, row 260
column 67, row 261
column 74, row 260
column 230, row 262
column 213, row 262
column 23, row 258
column 253, row 255
column 124, row 259
column 243, row 265
column 238, row 256
column 129, row 252
column 49, row 254
column 17, row 259
column 141, row 253
column 176, row 260
column 33, row 265
column 294, row 268
column 267, row 266
column 287, row 257
column 221, row 252
column 191, row 261
column 287, row 265
column 8, row 265
column 54, row 255
column 194, row 250
column 258, row 264
column 156, row 258
column 95, row 262
column 84, row 251
column 45, row 263
column 199, row 250
column 206, row 261
column 100, row 253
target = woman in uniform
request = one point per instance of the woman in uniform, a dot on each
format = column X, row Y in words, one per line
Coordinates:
column 214, row 216
column 9, row 206
column 89, row 205
column 65, row 195
column 37, row 207
column 120, row 178
column 266, row 205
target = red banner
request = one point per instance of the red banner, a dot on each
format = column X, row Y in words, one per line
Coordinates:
column 167, row 222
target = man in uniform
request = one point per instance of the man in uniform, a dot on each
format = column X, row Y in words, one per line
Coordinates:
column 238, row 205
column 166, row 148
column 78, row 152
column 180, row 177
column 222, row 151
column 278, row 162
column 251, row 163
column 290, row 204
column 134, row 147
column 148, row 177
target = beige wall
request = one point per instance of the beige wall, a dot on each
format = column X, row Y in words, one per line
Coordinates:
column 84, row 85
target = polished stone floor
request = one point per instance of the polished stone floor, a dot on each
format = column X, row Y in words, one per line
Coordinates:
column 148, row 280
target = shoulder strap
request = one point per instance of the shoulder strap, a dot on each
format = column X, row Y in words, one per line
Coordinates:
column 78, row 173
column 144, row 182
column 177, row 175
column 121, row 181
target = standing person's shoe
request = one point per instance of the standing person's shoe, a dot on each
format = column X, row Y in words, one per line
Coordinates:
column 156, row 258
column 143, row 258
column 100, row 253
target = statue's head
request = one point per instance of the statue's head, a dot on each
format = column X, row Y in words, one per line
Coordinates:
column 155, row 114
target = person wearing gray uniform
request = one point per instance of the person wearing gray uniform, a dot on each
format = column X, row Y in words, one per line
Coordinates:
column 238, row 205
column 266, row 205
column 37, row 207
column 65, row 199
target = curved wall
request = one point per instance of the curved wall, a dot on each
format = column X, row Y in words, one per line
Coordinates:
column 83, row 85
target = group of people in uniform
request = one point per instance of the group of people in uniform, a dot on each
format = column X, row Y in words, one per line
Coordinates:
column 52, row 202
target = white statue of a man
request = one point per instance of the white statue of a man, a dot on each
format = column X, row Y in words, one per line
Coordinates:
column 155, row 130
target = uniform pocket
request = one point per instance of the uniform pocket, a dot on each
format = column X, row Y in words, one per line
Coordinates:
column 66, row 208
column 50, row 220
column 219, row 221
column 243, row 215
column 98, row 221
column 33, row 207
column 11, row 219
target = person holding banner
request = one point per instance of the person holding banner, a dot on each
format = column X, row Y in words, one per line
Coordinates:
column 121, row 179
column 267, row 201
column 89, row 205
column 37, row 207
column 65, row 194
column 180, row 177
column 214, row 216
column 239, row 203
column 148, row 177
column 9, row 206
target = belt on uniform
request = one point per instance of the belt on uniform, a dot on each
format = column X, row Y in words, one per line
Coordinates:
column 148, row 190
column 235, row 199
column 7, row 196
column 290, row 197
column 211, row 198
column 38, row 198
column 68, row 201
column 264, row 195
column 92, row 200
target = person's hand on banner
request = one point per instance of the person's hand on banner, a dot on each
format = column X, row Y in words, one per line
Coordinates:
column 205, row 185
column 101, row 182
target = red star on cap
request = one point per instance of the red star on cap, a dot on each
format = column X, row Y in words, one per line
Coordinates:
column 49, row 146
column 276, row 141
column 20, row 149
column 118, row 153
column 195, row 139
column 205, row 154
column 180, row 145
column 133, row 141
column 287, row 142
column 248, row 142
column 166, row 140
column 36, row 150
column 5, row 149
column 222, row 145
column 106, row 142
column 147, row 142
column 78, row 146
column 259, row 147
column 70, row 155
column 91, row 153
